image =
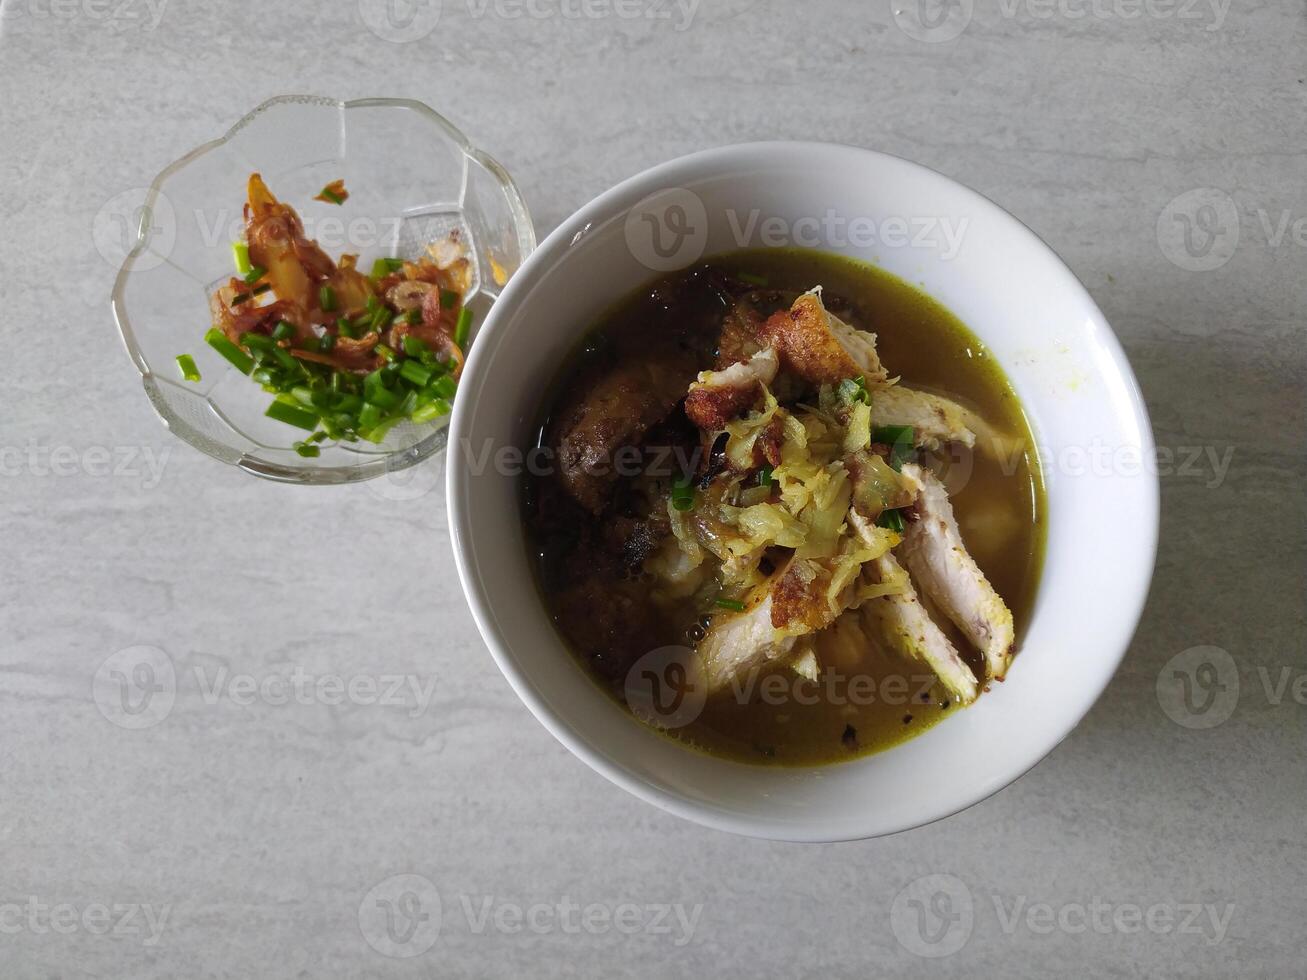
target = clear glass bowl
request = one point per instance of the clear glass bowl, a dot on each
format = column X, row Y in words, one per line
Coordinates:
column 412, row 178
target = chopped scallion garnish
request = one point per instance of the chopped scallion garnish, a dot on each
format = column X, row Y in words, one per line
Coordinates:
column 732, row 604
column 414, row 371
column 216, row 339
column 327, row 299
column 448, row 299
column 292, row 415
column 852, row 390
column 255, row 274
column 683, row 494
column 240, row 252
column 892, row 519
column 333, row 193
column 463, row 328
column 444, row 387
column 380, row 320
column 284, row 330
column 431, row 410
column 900, row 439
column 187, row 364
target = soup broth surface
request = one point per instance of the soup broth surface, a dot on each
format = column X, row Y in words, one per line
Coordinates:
column 875, row 700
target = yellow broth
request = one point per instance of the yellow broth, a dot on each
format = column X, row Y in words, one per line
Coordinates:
column 877, row 701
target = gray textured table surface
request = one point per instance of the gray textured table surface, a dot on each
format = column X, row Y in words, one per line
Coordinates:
column 239, row 837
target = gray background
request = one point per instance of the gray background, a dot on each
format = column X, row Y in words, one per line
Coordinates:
column 257, row 830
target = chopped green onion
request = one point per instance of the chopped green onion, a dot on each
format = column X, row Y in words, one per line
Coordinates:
column 187, row 364
column 431, row 410
column 292, row 415
column 764, row 476
column 732, row 604
column 347, row 328
column 287, row 362
column 328, row 196
column 369, row 417
column 308, row 450
column 216, row 339
column 255, row 274
column 380, row 320
column 852, row 390
column 316, row 437
column 240, row 298
column 327, row 298
column 892, row 519
column 284, row 330
column 444, row 387
column 382, row 429
column 385, row 267
column 411, row 317
column 414, row 346
column 376, row 392
column 415, row 372
column 900, row 439
column 240, row 251
column 386, row 353
column 373, row 304
column 683, row 494
column 327, row 343
column 751, row 279
column 448, row 299
column 258, row 341
column 463, row 327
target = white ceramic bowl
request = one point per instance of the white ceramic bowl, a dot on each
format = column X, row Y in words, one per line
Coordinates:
column 1082, row 400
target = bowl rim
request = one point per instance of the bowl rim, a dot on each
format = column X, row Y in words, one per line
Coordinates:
column 377, row 465
column 552, row 250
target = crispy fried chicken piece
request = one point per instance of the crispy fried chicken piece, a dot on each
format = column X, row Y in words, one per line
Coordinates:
column 941, row 565
column 719, row 396
column 820, row 347
column 611, row 414
column 740, row 336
